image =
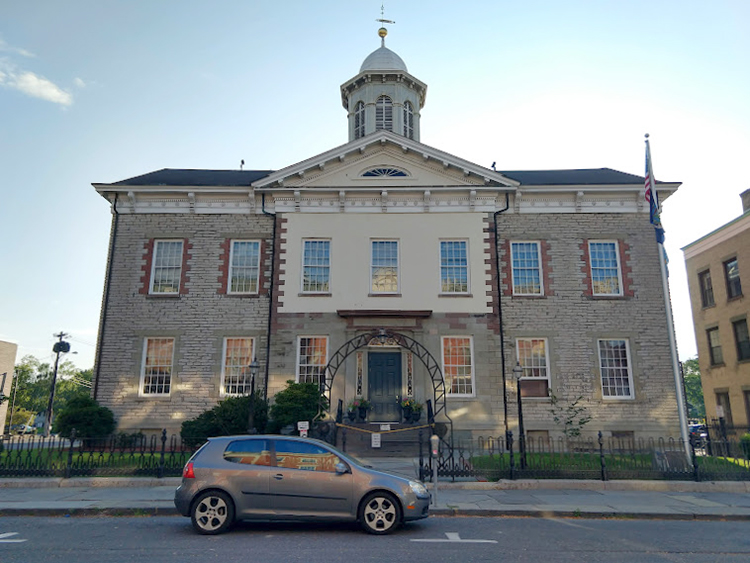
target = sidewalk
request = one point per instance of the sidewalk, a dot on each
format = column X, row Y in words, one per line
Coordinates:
column 537, row 498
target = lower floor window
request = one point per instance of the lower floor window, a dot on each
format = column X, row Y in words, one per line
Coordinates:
column 532, row 356
column 156, row 373
column 458, row 365
column 236, row 375
column 614, row 364
column 312, row 358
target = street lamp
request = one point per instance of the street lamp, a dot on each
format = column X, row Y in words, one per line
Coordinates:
column 517, row 374
column 254, row 365
column 60, row 347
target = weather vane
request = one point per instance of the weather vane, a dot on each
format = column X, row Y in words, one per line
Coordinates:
column 382, row 32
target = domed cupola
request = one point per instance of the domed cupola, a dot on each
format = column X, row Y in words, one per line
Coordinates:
column 383, row 96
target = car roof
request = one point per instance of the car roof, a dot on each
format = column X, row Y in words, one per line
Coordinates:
column 266, row 437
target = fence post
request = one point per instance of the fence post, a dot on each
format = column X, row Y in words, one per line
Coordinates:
column 601, row 457
column 70, row 453
column 694, row 459
column 509, row 440
column 160, row 474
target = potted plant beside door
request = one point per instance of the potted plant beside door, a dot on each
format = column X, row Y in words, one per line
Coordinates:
column 360, row 405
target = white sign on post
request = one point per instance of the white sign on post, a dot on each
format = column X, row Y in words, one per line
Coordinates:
column 303, row 426
column 375, row 440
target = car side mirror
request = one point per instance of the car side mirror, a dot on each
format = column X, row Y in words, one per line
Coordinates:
column 341, row 468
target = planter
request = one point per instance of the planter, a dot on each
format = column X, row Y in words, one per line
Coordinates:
column 362, row 412
column 407, row 412
column 351, row 415
column 415, row 416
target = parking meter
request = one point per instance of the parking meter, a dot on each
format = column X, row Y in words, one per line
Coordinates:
column 434, row 450
column 434, row 445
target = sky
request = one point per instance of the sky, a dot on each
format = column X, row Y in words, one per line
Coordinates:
column 104, row 90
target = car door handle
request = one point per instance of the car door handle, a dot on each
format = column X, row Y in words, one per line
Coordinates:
column 278, row 476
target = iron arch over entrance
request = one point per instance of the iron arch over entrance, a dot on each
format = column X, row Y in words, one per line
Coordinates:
column 407, row 343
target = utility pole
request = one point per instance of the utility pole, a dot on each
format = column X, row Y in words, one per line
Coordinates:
column 60, row 347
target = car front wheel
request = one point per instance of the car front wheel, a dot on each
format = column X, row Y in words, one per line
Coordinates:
column 380, row 513
column 212, row 513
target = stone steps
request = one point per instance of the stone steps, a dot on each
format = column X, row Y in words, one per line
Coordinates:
column 402, row 440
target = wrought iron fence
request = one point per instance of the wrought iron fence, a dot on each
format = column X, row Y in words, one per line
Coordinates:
column 117, row 455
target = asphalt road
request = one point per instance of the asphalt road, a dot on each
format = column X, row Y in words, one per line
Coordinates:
column 436, row 540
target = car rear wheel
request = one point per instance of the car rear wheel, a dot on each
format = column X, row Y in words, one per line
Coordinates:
column 380, row 513
column 212, row 513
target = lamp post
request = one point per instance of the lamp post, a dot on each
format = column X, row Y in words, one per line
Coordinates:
column 251, row 415
column 60, row 347
column 517, row 373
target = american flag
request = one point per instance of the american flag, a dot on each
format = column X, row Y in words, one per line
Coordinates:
column 652, row 197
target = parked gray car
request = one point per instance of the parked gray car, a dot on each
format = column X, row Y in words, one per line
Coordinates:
column 288, row 478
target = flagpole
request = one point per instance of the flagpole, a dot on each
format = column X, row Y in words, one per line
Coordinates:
column 681, row 412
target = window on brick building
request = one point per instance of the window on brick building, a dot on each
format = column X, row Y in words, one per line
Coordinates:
column 606, row 274
column 236, row 378
column 156, row 371
column 384, row 266
column 244, row 266
column 166, row 267
column 714, row 346
column 532, row 355
column 526, row 268
column 454, row 266
column 732, row 275
column 312, row 358
column 707, row 289
column 316, row 266
column 458, row 365
column 615, row 368
column 724, row 408
column 741, row 339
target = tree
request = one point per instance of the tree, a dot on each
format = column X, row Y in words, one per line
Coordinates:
column 691, row 375
column 572, row 417
column 89, row 419
column 299, row 401
column 229, row 417
column 34, row 378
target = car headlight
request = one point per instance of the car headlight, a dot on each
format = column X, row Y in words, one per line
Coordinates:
column 419, row 489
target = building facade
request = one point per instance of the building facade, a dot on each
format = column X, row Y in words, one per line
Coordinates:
column 8, row 352
column 408, row 271
column 717, row 264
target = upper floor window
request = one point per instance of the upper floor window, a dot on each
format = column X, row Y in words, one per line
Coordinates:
column 526, row 268
column 316, row 266
column 732, row 274
column 616, row 372
column 532, row 356
column 166, row 268
column 707, row 288
column 714, row 346
column 742, row 339
column 454, row 266
column 156, row 369
column 236, row 378
column 359, row 120
column 312, row 358
column 384, row 114
column 458, row 365
column 408, row 120
column 244, row 266
column 606, row 276
column 384, row 266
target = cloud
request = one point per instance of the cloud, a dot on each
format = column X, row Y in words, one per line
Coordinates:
column 4, row 47
column 79, row 82
column 29, row 83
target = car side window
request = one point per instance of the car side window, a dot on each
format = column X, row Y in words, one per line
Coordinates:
column 291, row 454
column 249, row 452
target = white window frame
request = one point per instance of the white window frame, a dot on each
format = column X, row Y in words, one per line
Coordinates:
column 328, row 266
column 384, row 113
column 154, row 255
column 531, row 367
column 616, row 244
column 299, row 364
column 408, row 120
column 472, row 378
column 398, row 267
column 359, row 120
column 602, row 368
column 540, row 267
column 231, row 267
column 142, row 385
column 224, row 366
column 467, row 267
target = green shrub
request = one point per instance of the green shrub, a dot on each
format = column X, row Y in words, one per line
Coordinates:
column 229, row 417
column 89, row 419
column 299, row 401
column 745, row 443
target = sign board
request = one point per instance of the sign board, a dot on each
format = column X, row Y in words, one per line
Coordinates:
column 303, row 433
column 303, row 425
column 375, row 440
column 385, row 427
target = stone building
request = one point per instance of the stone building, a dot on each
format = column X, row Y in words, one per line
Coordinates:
column 8, row 352
column 410, row 272
column 716, row 265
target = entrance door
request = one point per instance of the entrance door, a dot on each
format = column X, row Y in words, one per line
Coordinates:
column 384, row 386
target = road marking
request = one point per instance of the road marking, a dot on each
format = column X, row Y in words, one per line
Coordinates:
column 453, row 537
column 3, row 538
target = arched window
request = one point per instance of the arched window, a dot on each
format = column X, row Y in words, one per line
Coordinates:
column 359, row 120
column 384, row 114
column 408, row 120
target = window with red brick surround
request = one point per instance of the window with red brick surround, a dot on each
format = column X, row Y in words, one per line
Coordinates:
column 225, row 269
column 624, row 270
column 148, row 268
column 544, row 268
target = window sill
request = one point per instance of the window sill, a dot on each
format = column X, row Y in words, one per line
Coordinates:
column 155, row 397
column 606, row 399
column 711, row 306
column 236, row 295
column 609, row 297
column 719, row 365
column 383, row 295
column 735, row 298
column 459, row 295
column 529, row 296
column 315, row 294
column 163, row 296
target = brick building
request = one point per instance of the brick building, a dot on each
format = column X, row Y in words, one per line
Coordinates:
column 414, row 272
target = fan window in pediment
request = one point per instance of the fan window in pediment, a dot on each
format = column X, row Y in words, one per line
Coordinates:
column 384, row 172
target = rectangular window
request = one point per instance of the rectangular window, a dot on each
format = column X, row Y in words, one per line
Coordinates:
column 614, row 363
column 714, row 347
column 742, row 339
column 236, row 378
column 724, row 408
column 527, row 268
column 312, row 358
column 707, row 289
column 166, row 269
column 244, row 266
column 532, row 355
column 384, row 269
column 458, row 365
column 454, row 266
column 316, row 266
column 156, row 372
column 732, row 274
column 605, row 268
